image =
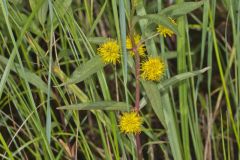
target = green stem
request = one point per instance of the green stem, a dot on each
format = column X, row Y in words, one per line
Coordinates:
column 229, row 107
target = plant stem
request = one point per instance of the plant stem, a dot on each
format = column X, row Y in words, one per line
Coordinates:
column 137, row 93
column 137, row 72
column 139, row 150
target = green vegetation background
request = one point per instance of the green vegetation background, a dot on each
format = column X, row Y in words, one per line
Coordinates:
column 58, row 100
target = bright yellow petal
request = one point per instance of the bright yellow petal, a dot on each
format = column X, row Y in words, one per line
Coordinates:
column 109, row 51
column 141, row 48
column 130, row 122
column 153, row 69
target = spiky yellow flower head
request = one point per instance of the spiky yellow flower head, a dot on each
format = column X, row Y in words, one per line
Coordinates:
column 130, row 122
column 109, row 51
column 141, row 48
column 164, row 31
column 153, row 69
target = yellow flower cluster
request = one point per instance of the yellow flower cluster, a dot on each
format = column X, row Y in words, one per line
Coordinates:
column 130, row 122
column 109, row 51
column 153, row 69
column 141, row 48
column 165, row 31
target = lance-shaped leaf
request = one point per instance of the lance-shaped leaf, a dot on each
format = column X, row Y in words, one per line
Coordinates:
column 86, row 70
column 101, row 105
column 157, row 19
column 31, row 77
column 153, row 95
column 181, row 9
column 173, row 80
column 154, row 90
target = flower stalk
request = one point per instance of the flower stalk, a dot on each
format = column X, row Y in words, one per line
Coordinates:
column 137, row 91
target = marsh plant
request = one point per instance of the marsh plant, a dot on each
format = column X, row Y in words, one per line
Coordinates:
column 119, row 79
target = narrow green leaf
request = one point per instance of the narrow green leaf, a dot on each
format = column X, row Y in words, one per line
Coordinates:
column 157, row 19
column 42, row 13
column 50, row 62
column 173, row 54
column 182, row 76
column 96, row 40
column 98, row 17
column 86, row 70
column 101, row 105
column 61, row 6
column 123, row 31
column 31, row 77
column 14, row 51
column 20, row 20
column 153, row 95
column 32, row 4
column 5, row 147
column 172, row 127
column 181, row 9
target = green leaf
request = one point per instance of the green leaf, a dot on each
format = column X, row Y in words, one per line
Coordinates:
column 6, row 147
column 32, row 4
column 173, row 131
column 42, row 13
column 20, row 20
column 96, row 21
column 86, row 70
column 96, row 40
column 157, row 19
column 181, row 9
column 173, row 80
column 16, row 44
column 15, row 1
column 101, row 105
column 173, row 54
column 61, row 6
column 153, row 95
column 31, row 77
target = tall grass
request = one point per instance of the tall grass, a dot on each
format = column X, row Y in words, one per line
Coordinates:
column 58, row 100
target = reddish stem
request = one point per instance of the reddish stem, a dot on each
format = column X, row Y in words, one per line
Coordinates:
column 137, row 93
column 139, row 149
column 137, row 72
